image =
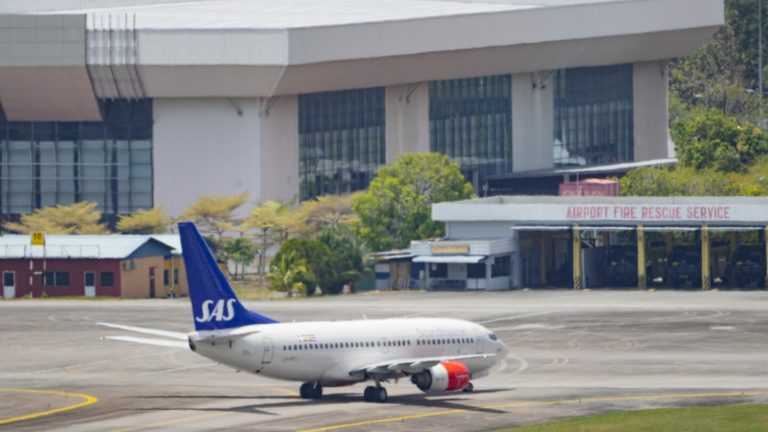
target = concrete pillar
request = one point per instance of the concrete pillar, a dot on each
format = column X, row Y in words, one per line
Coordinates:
column 426, row 274
column 765, row 240
column 407, row 122
column 543, row 261
column 641, row 260
column 706, row 283
column 651, row 123
column 533, row 106
column 577, row 279
column 488, row 263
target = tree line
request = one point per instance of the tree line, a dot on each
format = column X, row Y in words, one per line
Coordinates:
column 319, row 243
column 717, row 117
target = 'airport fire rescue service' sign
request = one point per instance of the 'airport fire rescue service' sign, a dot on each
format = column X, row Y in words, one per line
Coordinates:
column 687, row 213
column 38, row 238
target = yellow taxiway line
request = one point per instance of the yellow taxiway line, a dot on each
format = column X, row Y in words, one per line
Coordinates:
column 169, row 422
column 87, row 400
column 538, row 403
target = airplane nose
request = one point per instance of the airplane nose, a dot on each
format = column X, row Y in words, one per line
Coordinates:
column 503, row 349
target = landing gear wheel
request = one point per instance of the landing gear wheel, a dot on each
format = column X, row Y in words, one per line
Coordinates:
column 380, row 395
column 317, row 391
column 311, row 390
column 305, row 390
column 469, row 389
column 368, row 393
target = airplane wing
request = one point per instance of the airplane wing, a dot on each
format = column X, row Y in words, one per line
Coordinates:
column 150, row 341
column 411, row 366
column 155, row 332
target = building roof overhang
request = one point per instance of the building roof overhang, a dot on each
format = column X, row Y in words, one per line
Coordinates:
column 266, row 48
column 609, row 212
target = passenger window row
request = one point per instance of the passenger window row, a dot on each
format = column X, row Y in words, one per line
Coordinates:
column 445, row 341
column 340, row 345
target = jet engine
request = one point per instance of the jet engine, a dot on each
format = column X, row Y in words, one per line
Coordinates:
column 446, row 376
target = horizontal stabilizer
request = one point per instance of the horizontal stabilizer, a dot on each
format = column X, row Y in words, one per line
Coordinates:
column 155, row 332
column 149, row 341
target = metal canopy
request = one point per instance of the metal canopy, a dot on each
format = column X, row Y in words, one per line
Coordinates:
column 541, row 227
column 449, row 259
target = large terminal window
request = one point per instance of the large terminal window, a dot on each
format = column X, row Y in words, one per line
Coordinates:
column 470, row 120
column 341, row 140
column 50, row 163
column 593, row 116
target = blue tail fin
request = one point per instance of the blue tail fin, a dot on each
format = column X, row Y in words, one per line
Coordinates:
column 214, row 303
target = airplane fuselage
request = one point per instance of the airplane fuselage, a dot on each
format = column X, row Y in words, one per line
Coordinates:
column 332, row 352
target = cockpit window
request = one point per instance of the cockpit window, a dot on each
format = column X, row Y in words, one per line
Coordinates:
column 493, row 337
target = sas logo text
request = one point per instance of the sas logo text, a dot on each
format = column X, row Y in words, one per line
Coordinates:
column 223, row 311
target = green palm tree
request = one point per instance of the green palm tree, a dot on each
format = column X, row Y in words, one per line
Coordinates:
column 289, row 274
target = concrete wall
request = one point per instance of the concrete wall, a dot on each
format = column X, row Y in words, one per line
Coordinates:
column 407, row 119
column 279, row 155
column 76, row 269
column 651, row 116
column 532, row 121
column 206, row 146
column 135, row 281
column 479, row 230
column 181, row 287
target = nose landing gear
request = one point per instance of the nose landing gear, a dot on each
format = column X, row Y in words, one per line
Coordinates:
column 311, row 390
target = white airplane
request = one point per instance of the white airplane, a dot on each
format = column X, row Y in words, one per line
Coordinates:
column 439, row 355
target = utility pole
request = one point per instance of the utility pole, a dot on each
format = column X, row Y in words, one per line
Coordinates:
column 760, row 58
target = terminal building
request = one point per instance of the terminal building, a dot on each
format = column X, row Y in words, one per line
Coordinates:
column 139, row 103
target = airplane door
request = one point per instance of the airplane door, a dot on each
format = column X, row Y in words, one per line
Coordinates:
column 479, row 342
column 268, row 351
column 384, row 347
column 9, row 284
column 90, row 284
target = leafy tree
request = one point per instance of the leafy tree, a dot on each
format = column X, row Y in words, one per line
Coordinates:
column 273, row 222
column 78, row 218
column 723, row 73
column 289, row 274
column 741, row 17
column 317, row 258
column 239, row 250
column 152, row 221
column 680, row 181
column 705, row 76
column 346, row 263
column 397, row 206
column 710, row 139
column 327, row 210
column 215, row 214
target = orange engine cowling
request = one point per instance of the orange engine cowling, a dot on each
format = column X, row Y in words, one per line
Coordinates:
column 446, row 376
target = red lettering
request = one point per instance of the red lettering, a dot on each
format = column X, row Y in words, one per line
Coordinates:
column 708, row 213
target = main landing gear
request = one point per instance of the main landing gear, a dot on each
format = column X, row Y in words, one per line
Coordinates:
column 311, row 390
column 469, row 389
column 375, row 393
